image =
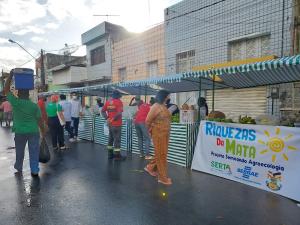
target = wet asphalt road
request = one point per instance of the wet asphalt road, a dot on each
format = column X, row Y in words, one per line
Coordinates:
column 80, row 186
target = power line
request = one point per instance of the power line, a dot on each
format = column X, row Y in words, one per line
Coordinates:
column 225, row 27
column 210, row 48
column 211, row 21
column 30, row 60
column 187, row 13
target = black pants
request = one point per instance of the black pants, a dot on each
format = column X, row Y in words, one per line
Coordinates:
column 69, row 129
column 56, row 131
column 75, row 121
column 114, row 138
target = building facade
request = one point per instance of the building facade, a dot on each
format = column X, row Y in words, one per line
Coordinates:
column 99, row 43
column 53, row 60
column 69, row 76
column 139, row 56
column 199, row 33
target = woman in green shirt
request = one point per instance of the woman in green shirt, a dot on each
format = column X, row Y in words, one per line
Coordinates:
column 55, row 123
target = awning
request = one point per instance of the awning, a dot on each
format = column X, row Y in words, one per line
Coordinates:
column 276, row 71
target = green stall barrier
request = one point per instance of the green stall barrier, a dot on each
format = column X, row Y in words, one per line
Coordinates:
column 87, row 131
column 182, row 142
column 101, row 138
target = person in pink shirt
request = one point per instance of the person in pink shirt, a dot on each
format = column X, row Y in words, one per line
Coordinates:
column 7, row 109
column 140, row 126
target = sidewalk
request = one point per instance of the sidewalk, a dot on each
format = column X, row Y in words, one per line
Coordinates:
column 80, row 186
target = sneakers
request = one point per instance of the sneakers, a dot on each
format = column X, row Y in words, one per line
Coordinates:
column 34, row 174
column 118, row 156
column 110, row 155
column 72, row 140
column 167, row 182
column 142, row 156
column 63, row 148
column 149, row 157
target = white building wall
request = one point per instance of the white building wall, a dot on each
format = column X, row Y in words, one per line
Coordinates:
column 97, row 72
column 61, row 77
column 78, row 74
column 74, row 74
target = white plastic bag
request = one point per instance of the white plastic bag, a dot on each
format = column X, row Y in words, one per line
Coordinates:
column 105, row 129
column 61, row 121
column 81, row 125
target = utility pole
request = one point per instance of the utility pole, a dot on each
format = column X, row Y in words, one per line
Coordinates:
column 43, row 83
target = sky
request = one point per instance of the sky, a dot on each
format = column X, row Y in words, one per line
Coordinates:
column 49, row 24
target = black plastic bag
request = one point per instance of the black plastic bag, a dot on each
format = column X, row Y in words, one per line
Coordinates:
column 44, row 152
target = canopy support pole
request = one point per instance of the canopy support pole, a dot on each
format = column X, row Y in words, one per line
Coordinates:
column 200, row 86
column 105, row 91
column 145, row 93
column 213, row 93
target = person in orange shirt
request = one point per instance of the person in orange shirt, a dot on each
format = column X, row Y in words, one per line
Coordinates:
column 158, row 122
column 112, row 112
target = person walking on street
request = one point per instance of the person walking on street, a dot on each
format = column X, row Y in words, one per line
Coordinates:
column 76, row 113
column 140, row 126
column 42, row 105
column 27, row 122
column 55, row 116
column 112, row 112
column 158, row 122
column 7, row 112
column 67, row 108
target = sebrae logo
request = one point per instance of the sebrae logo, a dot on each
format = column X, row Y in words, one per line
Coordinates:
column 273, row 181
column 276, row 145
column 247, row 172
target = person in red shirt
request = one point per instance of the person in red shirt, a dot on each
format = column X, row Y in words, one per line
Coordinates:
column 7, row 109
column 140, row 126
column 112, row 112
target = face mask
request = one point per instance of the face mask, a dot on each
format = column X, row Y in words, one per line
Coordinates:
column 74, row 97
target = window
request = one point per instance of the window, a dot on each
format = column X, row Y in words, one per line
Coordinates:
column 249, row 48
column 185, row 61
column 122, row 74
column 98, row 55
column 153, row 68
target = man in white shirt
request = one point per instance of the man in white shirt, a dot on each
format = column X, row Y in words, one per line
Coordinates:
column 67, row 108
column 76, row 112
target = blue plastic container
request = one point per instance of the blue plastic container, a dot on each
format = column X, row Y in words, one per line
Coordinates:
column 23, row 79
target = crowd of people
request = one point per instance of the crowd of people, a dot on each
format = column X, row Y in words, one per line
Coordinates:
column 52, row 115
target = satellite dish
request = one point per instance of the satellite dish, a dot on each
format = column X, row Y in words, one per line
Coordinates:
column 68, row 50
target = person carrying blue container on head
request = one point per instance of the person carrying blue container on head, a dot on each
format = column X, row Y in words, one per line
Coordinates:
column 26, row 123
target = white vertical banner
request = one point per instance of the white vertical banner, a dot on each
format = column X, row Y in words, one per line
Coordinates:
column 266, row 157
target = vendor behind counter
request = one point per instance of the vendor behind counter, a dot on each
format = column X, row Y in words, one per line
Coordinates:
column 173, row 108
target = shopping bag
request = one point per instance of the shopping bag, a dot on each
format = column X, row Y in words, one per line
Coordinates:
column 61, row 121
column 105, row 129
column 81, row 125
column 44, row 152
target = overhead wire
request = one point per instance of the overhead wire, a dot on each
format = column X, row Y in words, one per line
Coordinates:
column 254, row 19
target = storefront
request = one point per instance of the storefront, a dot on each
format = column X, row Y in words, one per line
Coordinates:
column 272, row 140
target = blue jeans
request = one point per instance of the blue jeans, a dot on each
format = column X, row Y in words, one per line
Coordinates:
column 75, row 121
column 143, row 138
column 34, row 149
